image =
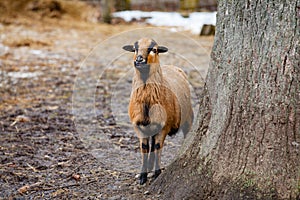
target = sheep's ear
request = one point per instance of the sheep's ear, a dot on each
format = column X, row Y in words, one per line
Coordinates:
column 129, row 48
column 162, row 49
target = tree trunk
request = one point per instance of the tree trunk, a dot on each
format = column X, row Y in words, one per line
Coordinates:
column 247, row 145
column 106, row 8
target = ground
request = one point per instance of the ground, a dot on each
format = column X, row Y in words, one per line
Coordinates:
column 43, row 155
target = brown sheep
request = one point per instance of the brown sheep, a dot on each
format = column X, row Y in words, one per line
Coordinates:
column 160, row 103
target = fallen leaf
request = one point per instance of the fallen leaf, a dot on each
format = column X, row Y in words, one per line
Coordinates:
column 23, row 189
column 76, row 177
column 21, row 118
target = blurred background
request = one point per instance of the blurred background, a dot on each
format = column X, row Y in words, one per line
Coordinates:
column 165, row 5
column 174, row 12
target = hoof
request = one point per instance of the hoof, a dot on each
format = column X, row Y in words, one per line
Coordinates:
column 156, row 173
column 143, row 178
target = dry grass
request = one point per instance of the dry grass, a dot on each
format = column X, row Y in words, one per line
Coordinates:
column 42, row 9
column 25, row 41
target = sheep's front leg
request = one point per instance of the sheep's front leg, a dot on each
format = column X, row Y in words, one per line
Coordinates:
column 158, row 146
column 144, row 146
column 151, row 158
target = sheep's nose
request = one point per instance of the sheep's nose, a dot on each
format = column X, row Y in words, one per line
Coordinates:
column 139, row 58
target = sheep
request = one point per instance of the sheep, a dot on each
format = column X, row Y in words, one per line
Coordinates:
column 160, row 103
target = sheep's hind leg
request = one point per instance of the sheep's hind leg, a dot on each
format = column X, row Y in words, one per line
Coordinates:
column 144, row 146
column 186, row 127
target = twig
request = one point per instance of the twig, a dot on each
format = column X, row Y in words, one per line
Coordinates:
column 31, row 167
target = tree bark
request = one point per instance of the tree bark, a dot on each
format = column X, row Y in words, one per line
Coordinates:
column 247, row 145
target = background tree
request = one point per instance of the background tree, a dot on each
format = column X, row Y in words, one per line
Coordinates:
column 247, row 145
column 106, row 10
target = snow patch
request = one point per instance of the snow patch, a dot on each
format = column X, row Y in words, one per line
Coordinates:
column 24, row 74
column 3, row 49
column 36, row 52
column 193, row 23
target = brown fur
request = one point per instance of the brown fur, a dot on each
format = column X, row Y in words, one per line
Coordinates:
column 152, row 94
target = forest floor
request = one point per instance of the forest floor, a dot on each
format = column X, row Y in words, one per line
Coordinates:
column 44, row 152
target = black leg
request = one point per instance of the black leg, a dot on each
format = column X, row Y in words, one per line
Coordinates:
column 156, row 173
column 157, row 146
column 144, row 145
column 151, row 157
column 143, row 178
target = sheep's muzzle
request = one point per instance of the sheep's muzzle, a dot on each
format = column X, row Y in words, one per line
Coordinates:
column 141, row 65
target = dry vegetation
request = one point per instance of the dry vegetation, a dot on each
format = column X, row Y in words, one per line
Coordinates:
column 42, row 9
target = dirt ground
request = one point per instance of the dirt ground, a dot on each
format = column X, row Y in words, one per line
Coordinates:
column 47, row 150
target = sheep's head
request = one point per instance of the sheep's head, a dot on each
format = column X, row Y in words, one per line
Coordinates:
column 145, row 52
